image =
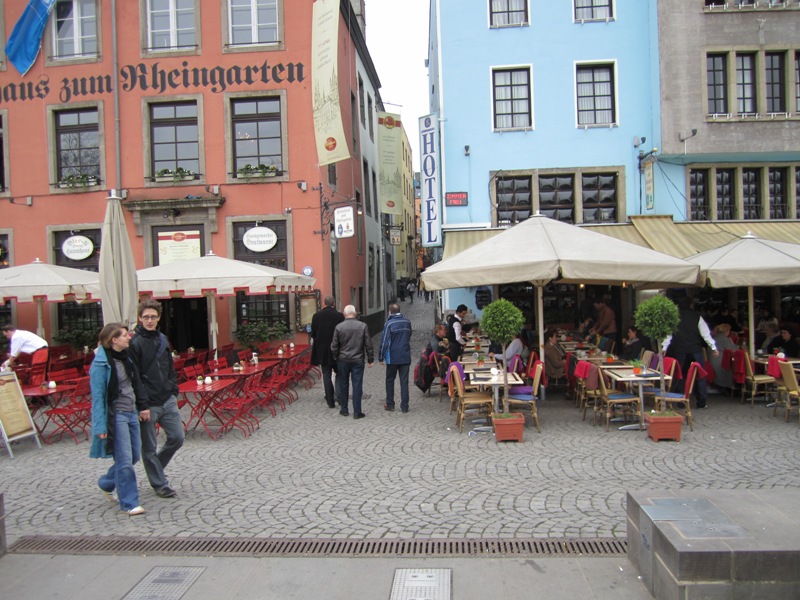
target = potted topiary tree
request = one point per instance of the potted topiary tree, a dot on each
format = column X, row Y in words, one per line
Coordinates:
column 658, row 318
column 501, row 321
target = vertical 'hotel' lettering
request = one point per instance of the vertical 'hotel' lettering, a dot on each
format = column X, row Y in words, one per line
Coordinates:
column 431, row 233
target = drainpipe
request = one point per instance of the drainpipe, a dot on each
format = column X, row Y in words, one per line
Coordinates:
column 115, row 63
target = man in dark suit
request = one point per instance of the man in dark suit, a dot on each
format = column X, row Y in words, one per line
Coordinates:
column 322, row 325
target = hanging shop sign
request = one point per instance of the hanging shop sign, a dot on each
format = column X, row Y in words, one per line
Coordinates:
column 259, row 239
column 344, row 222
column 77, row 247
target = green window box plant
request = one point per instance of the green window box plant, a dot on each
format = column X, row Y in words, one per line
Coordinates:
column 179, row 174
column 256, row 171
column 81, row 180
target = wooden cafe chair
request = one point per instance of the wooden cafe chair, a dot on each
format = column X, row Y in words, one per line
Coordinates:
column 526, row 400
column 481, row 401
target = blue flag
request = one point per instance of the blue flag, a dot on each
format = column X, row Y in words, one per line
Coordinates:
column 26, row 39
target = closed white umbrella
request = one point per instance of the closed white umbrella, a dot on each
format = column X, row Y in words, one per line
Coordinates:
column 118, row 290
column 40, row 282
column 749, row 262
column 540, row 250
column 213, row 276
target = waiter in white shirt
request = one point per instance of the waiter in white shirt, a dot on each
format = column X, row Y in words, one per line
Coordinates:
column 21, row 341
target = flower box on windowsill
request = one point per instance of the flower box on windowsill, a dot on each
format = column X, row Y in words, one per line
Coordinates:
column 173, row 179
column 72, row 183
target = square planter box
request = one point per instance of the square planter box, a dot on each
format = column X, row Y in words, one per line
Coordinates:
column 509, row 429
column 664, row 428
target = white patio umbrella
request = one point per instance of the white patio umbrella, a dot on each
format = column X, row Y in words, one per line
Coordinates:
column 541, row 250
column 117, row 269
column 213, row 276
column 40, row 282
column 749, row 262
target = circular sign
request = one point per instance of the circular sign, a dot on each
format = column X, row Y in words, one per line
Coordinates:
column 259, row 239
column 308, row 271
column 77, row 247
column 389, row 122
column 330, row 144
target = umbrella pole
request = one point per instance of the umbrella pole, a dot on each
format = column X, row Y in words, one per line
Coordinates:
column 540, row 325
column 751, row 319
column 213, row 324
column 40, row 317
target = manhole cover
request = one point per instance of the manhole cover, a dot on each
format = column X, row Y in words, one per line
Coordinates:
column 421, row 584
column 165, row 583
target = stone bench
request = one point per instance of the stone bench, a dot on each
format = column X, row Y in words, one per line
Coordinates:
column 716, row 544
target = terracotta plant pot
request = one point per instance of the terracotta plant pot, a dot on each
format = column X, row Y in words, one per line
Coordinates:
column 664, row 427
column 509, row 429
column 637, row 370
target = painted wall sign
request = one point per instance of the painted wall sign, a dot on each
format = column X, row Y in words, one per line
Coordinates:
column 77, row 247
column 174, row 246
column 429, row 181
column 259, row 239
column 154, row 78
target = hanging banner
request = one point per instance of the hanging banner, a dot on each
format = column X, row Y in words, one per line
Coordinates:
column 649, row 188
column 430, row 208
column 390, row 159
column 328, row 128
column 25, row 40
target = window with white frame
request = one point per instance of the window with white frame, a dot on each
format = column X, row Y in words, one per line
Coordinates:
column 257, row 131
column 174, row 138
column 75, row 29
column 594, row 10
column 776, row 81
column 511, row 91
column 595, row 94
column 77, row 137
column 746, row 83
column 171, row 24
column 717, row 84
column 253, row 22
column 503, row 13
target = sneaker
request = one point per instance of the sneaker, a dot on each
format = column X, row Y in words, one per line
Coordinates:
column 110, row 496
column 166, row 492
column 136, row 511
column 387, row 407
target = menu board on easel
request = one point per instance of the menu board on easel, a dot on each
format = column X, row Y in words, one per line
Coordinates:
column 15, row 418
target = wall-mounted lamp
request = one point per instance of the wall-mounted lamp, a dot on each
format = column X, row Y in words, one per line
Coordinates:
column 359, row 209
column 683, row 138
column 302, row 186
column 466, row 150
column 287, row 211
column 27, row 201
column 213, row 189
column 644, row 156
column 638, row 141
column 171, row 213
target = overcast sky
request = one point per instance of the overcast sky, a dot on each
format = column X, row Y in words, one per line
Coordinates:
column 397, row 38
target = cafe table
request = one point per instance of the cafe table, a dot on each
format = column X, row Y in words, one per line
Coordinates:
column 201, row 398
column 621, row 372
column 484, row 379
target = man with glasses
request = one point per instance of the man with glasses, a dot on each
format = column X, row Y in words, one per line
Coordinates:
column 151, row 354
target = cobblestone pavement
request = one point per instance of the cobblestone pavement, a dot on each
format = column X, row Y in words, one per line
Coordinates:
column 311, row 473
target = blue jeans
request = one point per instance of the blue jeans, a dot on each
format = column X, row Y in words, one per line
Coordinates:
column 127, row 450
column 169, row 418
column 391, row 372
column 344, row 371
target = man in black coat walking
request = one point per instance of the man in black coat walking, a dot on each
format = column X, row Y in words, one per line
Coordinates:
column 322, row 325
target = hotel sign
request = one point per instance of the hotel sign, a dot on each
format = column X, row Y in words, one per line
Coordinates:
column 431, row 213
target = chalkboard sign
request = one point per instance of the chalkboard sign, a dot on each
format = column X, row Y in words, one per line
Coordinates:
column 15, row 418
column 483, row 297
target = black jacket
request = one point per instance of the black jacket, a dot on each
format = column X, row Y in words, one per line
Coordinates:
column 151, row 354
column 322, row 325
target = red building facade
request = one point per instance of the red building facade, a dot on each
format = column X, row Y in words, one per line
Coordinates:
column 200, row 113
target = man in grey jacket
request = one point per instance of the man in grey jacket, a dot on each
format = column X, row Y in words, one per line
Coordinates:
column 351, row 344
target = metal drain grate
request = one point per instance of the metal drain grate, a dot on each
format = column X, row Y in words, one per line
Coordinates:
column 319, row 547
column 165, row 583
